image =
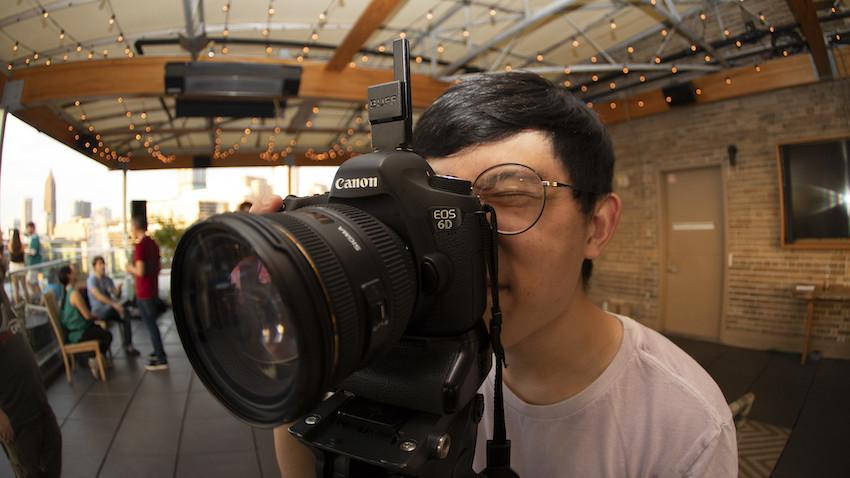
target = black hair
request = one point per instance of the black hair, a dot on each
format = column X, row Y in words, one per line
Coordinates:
column 65, row 275
column 140, row 223
column 490, row 108
column 97, row 259
column 31, row 224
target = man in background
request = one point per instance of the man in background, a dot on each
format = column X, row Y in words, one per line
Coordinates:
column 103, row 297
column 145, row 269
column 33, row 258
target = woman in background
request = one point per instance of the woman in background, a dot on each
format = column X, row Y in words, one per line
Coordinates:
column 17, row 267
column 76, row 317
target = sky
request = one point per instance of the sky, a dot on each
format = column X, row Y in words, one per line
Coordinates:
column 28, row 157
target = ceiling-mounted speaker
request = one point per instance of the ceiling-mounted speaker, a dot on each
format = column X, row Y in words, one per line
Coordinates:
column 680, row 94
column 205, row 89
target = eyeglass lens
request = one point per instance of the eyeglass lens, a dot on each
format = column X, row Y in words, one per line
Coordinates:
column 517, row 194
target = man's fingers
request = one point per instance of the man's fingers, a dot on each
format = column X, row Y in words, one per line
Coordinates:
column 269, row 204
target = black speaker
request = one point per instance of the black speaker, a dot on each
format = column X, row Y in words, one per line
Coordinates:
column 680, row 94
column 139, row 209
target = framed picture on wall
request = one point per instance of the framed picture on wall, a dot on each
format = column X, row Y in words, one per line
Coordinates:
column 814, row 182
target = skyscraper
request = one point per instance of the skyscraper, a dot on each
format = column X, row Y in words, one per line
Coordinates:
column 26, row 211
column 50, row 203
column 82, row 209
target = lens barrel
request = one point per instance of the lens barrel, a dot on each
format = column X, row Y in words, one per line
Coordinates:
column 275, row 310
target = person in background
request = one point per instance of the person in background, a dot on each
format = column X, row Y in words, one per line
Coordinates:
column 145, row 270
column 245, row 206
column 76, row 317
column 33, row 258
column 17, row 266
column 103, row 297
column 29, row 433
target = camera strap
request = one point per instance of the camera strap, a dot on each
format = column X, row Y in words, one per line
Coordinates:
column 499, row 447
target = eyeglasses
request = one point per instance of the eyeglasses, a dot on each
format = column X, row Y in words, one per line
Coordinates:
column 517, row 193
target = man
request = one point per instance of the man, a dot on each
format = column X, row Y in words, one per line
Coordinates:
column 33, row 258
column 587, row 393
column 103, row 297
column 29, row 433
column 145, row 269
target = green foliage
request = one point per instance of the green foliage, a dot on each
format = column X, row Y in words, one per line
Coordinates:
column 167, row 236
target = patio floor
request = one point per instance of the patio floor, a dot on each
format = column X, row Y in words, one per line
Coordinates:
column 165, row 424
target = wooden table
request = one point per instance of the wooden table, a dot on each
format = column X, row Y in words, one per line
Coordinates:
column 820, row 293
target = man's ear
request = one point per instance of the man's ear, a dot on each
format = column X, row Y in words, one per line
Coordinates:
column 600, row 229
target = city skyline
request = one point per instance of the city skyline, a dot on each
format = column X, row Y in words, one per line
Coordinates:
column 30, row 157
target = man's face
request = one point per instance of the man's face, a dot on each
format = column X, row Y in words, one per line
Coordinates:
column 99, row 268
column 30, row 230
column 539, row 269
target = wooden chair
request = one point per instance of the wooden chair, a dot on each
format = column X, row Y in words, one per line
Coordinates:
column 69, row 350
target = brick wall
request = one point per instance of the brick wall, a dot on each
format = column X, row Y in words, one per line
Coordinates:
column 759, row 311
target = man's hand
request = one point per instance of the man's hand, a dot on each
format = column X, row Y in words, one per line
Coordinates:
column 118, row 308
column 269, row 204
column 7, row 434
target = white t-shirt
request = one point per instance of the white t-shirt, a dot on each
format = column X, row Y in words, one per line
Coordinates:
column 654, row 412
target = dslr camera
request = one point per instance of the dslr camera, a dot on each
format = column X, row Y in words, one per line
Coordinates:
column 356, row 314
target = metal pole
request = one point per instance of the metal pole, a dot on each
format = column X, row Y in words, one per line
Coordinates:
column 124, row 210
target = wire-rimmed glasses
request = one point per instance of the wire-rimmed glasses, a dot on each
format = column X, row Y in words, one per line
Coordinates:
column 517, row 193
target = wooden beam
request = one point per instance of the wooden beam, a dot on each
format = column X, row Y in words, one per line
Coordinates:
column 370, row 20
column 182, row 161
column 807, row 16
column 145, row 77
column 742, row 81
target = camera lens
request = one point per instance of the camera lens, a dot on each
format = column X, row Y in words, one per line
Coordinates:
column 273, row 311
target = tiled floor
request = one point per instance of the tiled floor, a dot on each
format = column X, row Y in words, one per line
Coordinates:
column 151, row 424
column 165, row 424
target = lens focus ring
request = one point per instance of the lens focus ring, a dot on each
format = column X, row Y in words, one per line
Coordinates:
column 348, row 340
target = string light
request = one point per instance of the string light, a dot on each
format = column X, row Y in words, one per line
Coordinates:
column 738, row 43
column 657, row 60
column 508, row 67
column 62, row 35
column 112, row 19
column 323, row 16
column 120, row 38
column 567, row 71
column 492, row 12
column 728, row 80
column 440, row 48
column 539, row 57
column 382, row 48
column 613, row 105
column 702, row 16
column 15, row 46
column 465, row 33
column 402, row 35
column 698, row 91
column 674, row 70
column 593, row 59
column 225, row 8
column 664, row 32
column 429, row 16
column 707, row 58
column 726, row 32
column 595, row 78
column 44, row 13
column 567, row 83
column 642, row 78
column 668, row 99
column 612, row 85
column 630, row 50
column 693, row 48
column 625, row 70
column 613, row 24
column 758, row 68
column 314, row 36
column 641, row 104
